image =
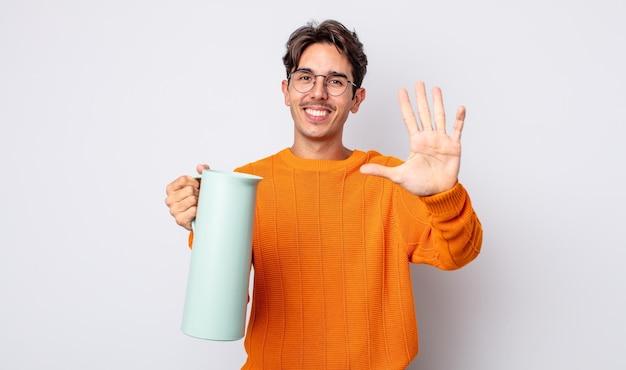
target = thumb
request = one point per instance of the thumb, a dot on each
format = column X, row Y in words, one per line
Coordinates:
column 377, row 170
column 202, row 167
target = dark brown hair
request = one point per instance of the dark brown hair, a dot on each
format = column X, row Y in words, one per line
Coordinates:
column 332, row 32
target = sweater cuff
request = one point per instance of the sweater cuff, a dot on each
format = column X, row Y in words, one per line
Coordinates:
column 447, row 202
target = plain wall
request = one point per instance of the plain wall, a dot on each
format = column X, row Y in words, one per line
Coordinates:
column 104, row 103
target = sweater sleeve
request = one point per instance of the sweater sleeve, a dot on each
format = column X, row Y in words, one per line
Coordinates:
column 451, row 233
column 190, row 240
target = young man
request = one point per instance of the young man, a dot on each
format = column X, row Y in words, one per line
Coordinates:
column 335, row 228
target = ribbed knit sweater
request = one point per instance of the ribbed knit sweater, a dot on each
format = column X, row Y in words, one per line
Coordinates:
column 331, row 253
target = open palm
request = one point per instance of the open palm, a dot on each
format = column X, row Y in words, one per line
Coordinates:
column 435, row 158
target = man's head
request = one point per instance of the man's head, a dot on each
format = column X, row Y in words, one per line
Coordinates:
column 331, row 32
column 325, row 67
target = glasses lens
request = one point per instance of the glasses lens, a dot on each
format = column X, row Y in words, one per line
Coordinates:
column 304, row 81
column 336, row 84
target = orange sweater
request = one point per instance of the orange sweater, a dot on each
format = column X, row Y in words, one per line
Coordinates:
column 331, row 253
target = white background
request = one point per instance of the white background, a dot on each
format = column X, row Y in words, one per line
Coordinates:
column 103, row 103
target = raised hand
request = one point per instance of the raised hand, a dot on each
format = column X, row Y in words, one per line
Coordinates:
column 435, row 159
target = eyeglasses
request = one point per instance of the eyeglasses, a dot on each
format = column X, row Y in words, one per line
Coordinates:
column 335, row 84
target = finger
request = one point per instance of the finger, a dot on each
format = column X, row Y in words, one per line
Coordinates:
column 458, row 123
column 410, row 121
column 423, row 111
column 379, row 170
column 182, row 198
column 184, row 219
column 177, row 184
column 202, row 167
column 183, row 205
column 439, row 111
column 179, row 206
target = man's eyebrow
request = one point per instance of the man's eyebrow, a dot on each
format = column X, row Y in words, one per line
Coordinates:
column 303, row 70
column 331, row 73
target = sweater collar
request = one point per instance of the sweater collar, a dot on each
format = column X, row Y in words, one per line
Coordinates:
column 356, row 159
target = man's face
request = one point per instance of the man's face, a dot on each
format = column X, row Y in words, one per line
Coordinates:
column 317, row 115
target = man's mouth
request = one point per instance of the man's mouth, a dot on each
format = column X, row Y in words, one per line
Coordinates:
column 316, row 113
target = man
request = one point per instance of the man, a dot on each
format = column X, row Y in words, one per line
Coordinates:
column 335, row 228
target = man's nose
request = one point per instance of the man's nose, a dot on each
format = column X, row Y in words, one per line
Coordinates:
column 319, row 88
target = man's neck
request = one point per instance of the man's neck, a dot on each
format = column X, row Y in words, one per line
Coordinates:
column 321, row 151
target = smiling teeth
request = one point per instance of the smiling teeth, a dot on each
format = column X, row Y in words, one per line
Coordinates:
column 317, row 113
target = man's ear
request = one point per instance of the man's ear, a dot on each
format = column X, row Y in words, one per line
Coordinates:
column 285, row 89
column 359, row 96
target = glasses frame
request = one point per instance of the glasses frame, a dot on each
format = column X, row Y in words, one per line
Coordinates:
column 315, row 76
